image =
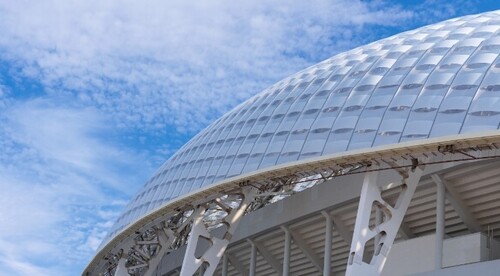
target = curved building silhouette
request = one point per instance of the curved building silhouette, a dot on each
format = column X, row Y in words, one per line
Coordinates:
column 380, row 160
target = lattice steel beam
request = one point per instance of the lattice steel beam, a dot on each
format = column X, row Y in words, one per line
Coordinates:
column 386, row 231
column 199, row 230
column 394, row 157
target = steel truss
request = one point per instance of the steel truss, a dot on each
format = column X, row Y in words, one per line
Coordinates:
column 208, row 227
column 387, row 222
column 140, row 254
column 207, row 262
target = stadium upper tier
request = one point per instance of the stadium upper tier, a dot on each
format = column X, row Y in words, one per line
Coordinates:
column 442, row 79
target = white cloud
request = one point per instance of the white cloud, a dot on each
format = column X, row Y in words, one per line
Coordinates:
column 16, row 267
column 177, row 63
column 148, row 67
column 63, row 185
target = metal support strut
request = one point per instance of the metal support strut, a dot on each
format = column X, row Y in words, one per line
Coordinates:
column 385, row 230
column 217, row 246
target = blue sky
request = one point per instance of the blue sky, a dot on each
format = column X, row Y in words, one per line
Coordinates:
column 96, row 94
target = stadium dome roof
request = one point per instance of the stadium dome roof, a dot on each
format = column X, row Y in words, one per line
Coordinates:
column 438, row 80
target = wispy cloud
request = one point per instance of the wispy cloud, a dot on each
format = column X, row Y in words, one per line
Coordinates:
column 155, row 63
column 63, row 184
column 119, row 80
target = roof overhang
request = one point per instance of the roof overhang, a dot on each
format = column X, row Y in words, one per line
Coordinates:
column 443, row 149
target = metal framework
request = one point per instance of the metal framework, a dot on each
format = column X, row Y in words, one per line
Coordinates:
column 388, row 219
column 207, row 262
column 206, row 228
column 139, row 252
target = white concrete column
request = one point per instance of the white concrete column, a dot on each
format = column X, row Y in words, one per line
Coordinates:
column 440, row 204
column 327, row 258
column 253, row 258
column 286, row 252
column 224, row 265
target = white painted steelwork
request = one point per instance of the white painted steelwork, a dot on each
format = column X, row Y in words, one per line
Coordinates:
column 217, row 245
column 429, row 93
column 447, row 149
column 385, row 232
column 438, row 80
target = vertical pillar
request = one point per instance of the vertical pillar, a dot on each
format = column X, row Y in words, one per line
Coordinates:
column 440, row 203
column 253, row 258
column 327, row 258
column 286, row 252
column 378, row 221
column 224, row 265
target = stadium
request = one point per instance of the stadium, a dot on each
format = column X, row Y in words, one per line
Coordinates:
column 382, row 160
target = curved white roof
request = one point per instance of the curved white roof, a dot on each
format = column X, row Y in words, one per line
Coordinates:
column 438, row 80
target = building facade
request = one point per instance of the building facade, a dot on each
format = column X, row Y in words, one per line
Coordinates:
column 395, row 141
